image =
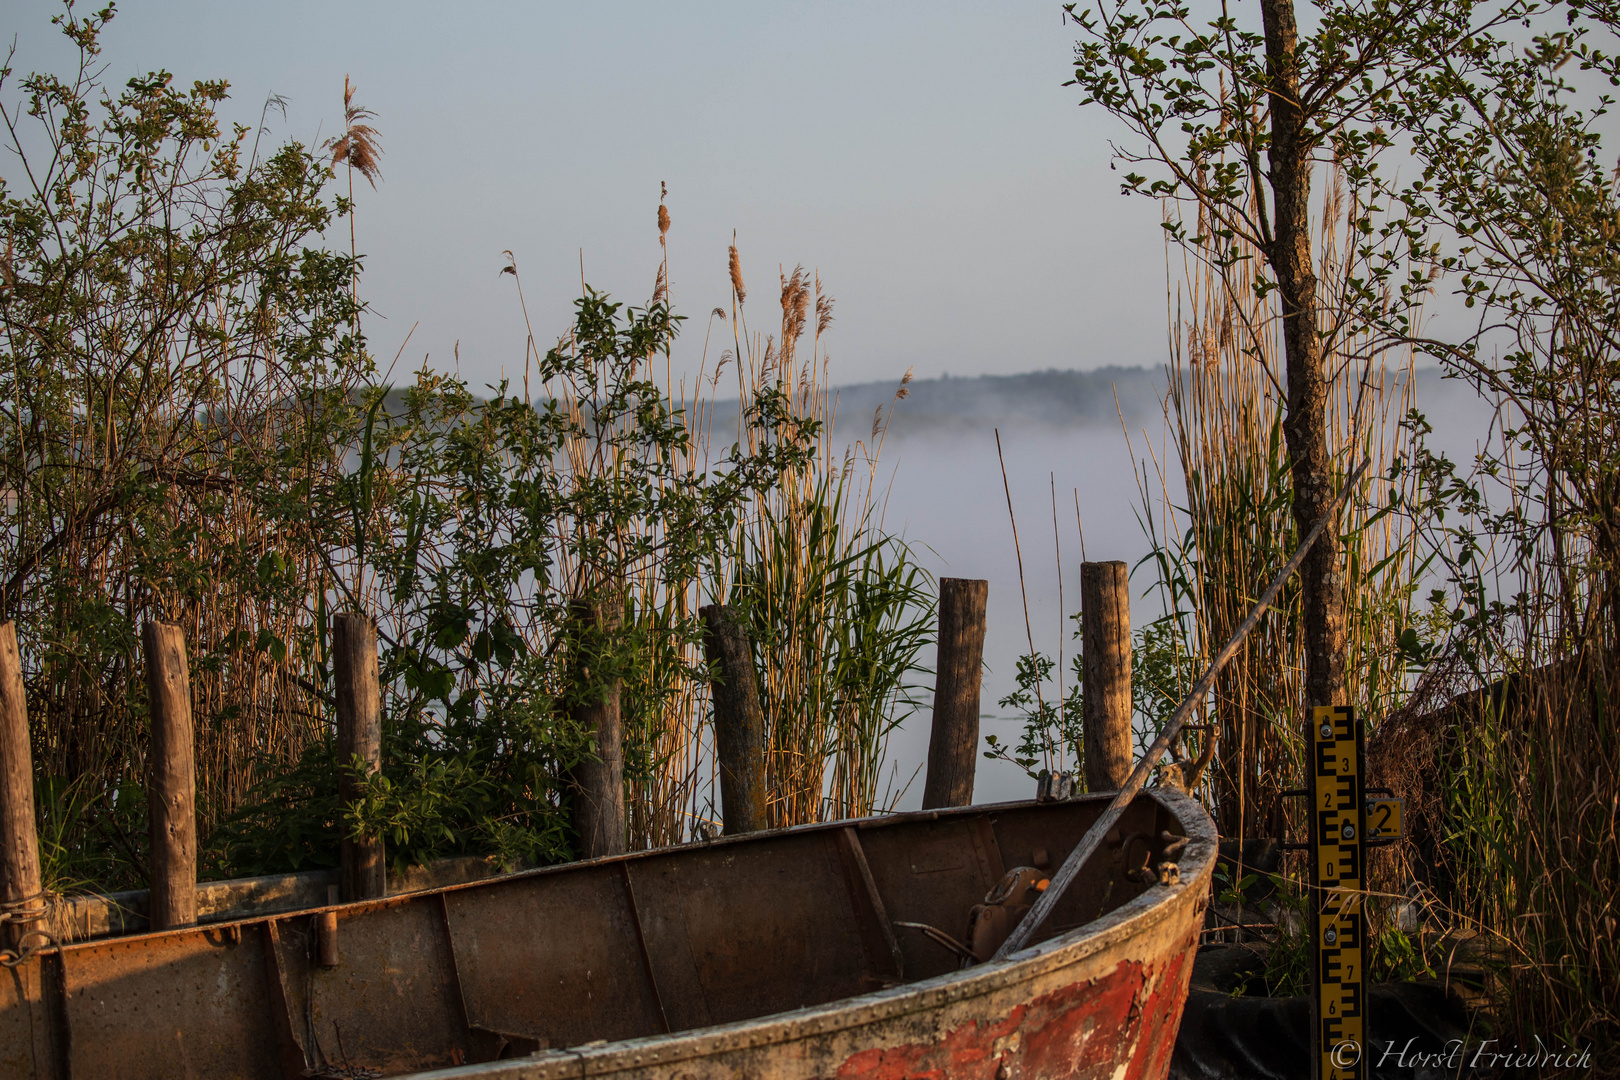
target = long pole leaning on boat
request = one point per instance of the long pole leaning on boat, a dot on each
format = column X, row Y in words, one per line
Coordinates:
column 1110, row 817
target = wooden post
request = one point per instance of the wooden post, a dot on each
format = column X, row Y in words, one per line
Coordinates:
column 739, row 721
column 359, row 734
column 19, row 842
column 171, row 794
column 953, row 748
column 598, row 782
column 1105, row 627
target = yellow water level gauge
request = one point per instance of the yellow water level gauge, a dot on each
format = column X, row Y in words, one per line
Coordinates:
column 1385, row 820
column 1338, row 881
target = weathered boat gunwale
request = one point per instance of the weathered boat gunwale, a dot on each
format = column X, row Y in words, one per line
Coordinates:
column 1130, row 958
column 1127, row 922
column 866, row 824
column 76, row 919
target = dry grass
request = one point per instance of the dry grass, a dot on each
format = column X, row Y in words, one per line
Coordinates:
column 1224, row 408
column 1503, row 746
column 209, row 559
column 837, row 611
column 230, row 551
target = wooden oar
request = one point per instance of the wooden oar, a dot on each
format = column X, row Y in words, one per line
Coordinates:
column 1110, row 817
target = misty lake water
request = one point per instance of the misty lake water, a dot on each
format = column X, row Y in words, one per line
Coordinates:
column 946, row 498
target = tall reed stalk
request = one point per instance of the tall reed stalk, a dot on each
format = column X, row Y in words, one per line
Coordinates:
column 837, row 609
column 484, row 524
column 1224, row 408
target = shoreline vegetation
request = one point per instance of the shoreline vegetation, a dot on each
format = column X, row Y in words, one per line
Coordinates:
column 196, row 432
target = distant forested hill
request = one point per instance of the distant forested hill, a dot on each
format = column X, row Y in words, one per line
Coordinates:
column 1061, row 399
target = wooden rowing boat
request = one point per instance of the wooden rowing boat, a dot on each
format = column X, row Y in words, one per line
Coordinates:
column 821, row 951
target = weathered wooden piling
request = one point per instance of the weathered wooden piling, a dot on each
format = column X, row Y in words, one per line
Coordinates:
column 19, row 843
column 1105, row 629
column 739, row 720
column 359, row 734
column 172, row 779
column 598, row 783
column 953, row 746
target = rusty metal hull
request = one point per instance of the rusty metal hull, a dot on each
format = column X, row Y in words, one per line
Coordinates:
column 773, row 955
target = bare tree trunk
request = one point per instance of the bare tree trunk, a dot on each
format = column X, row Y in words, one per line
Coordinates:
column 1289, row 155
column 1320, row 586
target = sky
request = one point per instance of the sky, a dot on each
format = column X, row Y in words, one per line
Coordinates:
column 925, row 159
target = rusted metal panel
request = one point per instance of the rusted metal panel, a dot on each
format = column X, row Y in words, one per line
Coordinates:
column 933, row 873
column 1102, row 1001
column 1026, row 839
column 641, row 944
column 661, row 902
column 1082, row 1029
column 26, row 1045
column 391, row 1004
column 82, row 918
column 279, row 1014
column 882, row 947
column 189, row 1003
column 989, row 848
column 1122, row 1023
column 750, row 928
column 553, row 958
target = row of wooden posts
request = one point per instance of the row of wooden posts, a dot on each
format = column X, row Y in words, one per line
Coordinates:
column 171, row 774
column 953, row 746
column 598, row 784
column 1105, row 629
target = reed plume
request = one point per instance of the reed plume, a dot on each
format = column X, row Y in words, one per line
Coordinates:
column 736, row 275
column 837, row 609
column 795, row 309
column 360, row 146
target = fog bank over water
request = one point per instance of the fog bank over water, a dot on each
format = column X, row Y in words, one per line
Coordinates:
column 1059, row 400
column 1059, row 431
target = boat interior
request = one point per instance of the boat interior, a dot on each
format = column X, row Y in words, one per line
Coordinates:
column 637, row 945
